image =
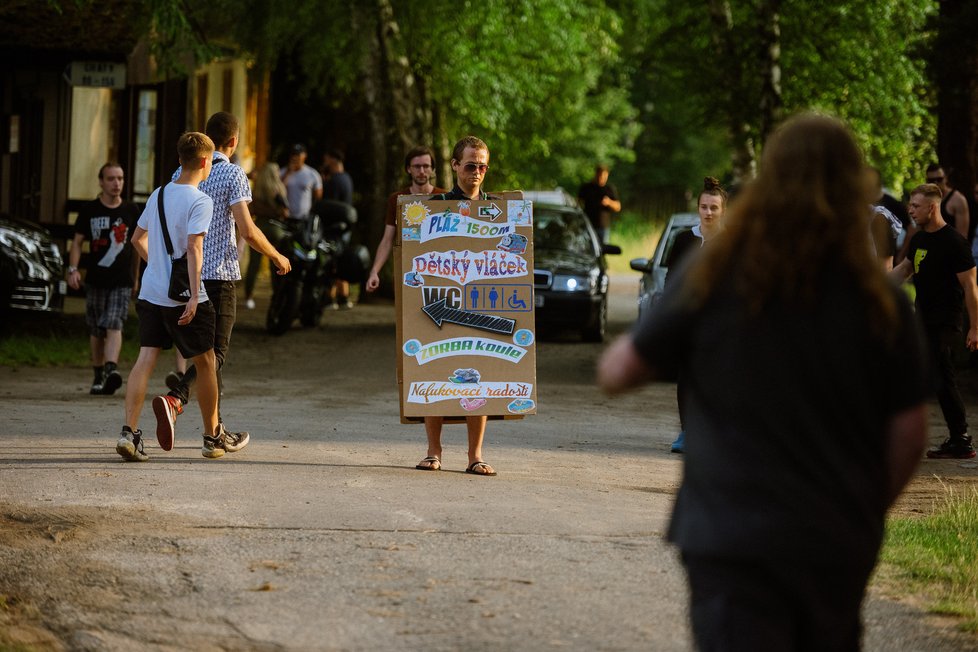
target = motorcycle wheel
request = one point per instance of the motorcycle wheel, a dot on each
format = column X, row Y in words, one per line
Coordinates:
column 281, row 311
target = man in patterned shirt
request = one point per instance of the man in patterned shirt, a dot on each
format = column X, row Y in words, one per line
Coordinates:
column 228, row 187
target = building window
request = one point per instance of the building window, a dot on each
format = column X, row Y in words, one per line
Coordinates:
column 145, row 163
column 92, row 139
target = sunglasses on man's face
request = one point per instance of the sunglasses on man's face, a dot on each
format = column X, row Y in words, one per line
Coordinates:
column 472, row 167
column 935, row 179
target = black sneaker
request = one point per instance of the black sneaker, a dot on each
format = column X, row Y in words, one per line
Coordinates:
column 96, row 388
column 959, row 448
column 173, row 380
column 113, row 381
column 130, row 445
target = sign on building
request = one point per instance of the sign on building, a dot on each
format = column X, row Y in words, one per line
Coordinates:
column 98, row 74
column 465, row 322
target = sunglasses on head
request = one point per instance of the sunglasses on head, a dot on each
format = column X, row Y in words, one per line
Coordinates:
column 472, row 167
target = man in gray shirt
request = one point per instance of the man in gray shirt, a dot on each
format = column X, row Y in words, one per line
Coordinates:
column 303, row 185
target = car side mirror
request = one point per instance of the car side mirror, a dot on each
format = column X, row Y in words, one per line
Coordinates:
column 610, row 249
column 640, row 264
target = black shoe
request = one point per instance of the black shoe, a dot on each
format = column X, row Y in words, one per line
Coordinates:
column 96, row 388
column 959, row 448
column 113, row 381
column 173, row 380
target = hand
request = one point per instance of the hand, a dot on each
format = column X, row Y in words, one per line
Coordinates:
column 74, row 280
column 189, row 312
column 283, row 265
column 972, row 339
column 373, row 282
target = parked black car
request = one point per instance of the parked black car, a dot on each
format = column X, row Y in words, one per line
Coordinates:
column 570, row 277
column 31, row 267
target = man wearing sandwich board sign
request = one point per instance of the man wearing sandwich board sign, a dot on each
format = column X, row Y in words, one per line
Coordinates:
column 465, row 325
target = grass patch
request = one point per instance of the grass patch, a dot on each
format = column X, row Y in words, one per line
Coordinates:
column 59, row 340
column 937, row 556
column 637, row 237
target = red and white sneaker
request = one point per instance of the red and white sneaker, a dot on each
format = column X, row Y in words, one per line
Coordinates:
column 166, row 409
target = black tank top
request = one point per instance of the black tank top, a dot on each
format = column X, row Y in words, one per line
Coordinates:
column 948, row 217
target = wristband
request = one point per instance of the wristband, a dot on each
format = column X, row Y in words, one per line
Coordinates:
column 72, row 270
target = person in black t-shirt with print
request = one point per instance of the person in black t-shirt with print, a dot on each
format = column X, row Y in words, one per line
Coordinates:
column 939, row 259
column 106, row 222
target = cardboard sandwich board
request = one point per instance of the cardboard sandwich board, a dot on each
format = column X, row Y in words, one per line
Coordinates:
column 463, row 277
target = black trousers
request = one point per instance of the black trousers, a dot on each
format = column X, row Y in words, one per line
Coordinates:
column 740, row 606
column 941, row 340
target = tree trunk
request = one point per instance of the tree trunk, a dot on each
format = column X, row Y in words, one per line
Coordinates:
column 954, row 68
column 770, row 68
column 731, row 83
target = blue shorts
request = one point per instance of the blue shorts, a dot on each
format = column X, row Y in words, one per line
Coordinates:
column 106, row 309
column 158, row 328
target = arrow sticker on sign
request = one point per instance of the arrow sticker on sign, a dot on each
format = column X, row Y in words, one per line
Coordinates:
column 491, row 211
column 440, row 312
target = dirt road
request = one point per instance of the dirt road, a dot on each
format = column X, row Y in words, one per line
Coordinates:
column 322, row 535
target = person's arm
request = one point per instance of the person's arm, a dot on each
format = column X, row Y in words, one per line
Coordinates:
column 906, row 438
column 256, row 239
column 74, row 276
column 879, row 229
column 967, row 281
column 901, row 272
column 958, row 206
column 621, row 367
column 140, row 238
column 611, row 204
column 383, row 253
column 195, row 260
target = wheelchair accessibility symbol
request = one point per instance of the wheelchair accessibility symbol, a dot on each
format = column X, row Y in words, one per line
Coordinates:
column 498, row 297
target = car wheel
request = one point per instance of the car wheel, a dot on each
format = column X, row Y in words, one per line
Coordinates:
column 595, row 331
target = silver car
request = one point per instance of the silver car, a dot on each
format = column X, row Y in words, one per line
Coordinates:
column 654, row 269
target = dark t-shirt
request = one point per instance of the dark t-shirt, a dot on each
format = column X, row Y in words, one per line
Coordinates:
column 591, row 195
column 339, row 187
column 786, row 415
column 108, row 231
column 937, row 259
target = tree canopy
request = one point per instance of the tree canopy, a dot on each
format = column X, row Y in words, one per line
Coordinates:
column 666, row 92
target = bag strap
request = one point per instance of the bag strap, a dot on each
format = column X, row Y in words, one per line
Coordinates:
column 166, row 232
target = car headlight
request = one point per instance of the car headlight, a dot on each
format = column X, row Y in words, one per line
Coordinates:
column 575, row 282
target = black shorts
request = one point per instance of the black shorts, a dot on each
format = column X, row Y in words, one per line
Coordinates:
column 158, row 328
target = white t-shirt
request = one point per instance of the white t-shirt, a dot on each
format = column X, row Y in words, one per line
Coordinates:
column 188, row 212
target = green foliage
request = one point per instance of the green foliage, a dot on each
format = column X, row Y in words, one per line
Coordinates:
column 56, row 341
column 936, row 555
column 858, row 60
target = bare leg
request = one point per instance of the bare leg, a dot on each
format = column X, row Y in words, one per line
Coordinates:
column 180, row 362
column 112, row 346
column 136, row 388
column 477, row 433
column 206, row 365
column 97, row 345
column 432, row 428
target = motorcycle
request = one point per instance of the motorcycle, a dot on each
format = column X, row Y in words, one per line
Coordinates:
column 319, row 249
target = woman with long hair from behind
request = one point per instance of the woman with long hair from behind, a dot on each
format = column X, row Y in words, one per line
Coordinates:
column 807, row 400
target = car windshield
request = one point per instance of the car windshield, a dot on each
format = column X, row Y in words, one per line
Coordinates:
column 566, row 231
